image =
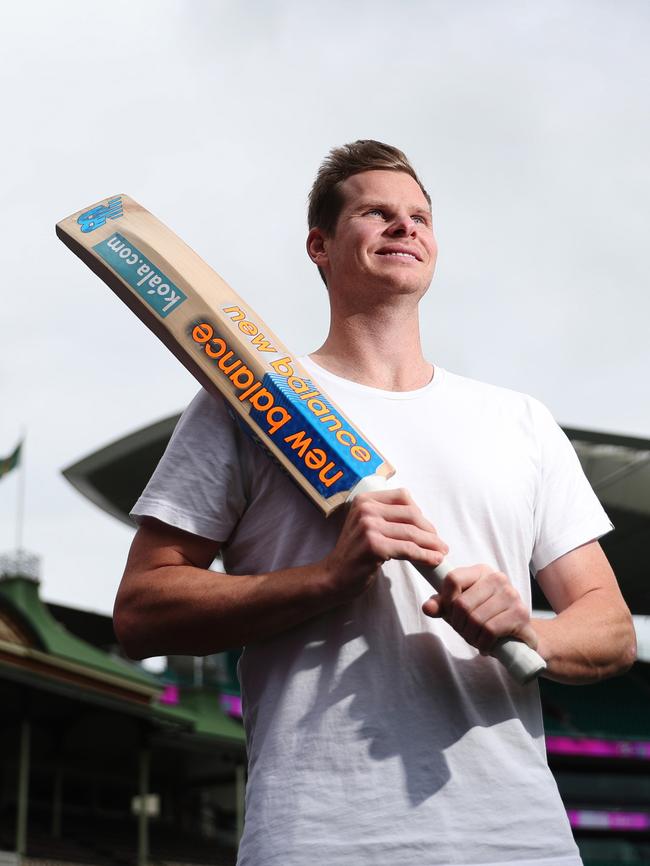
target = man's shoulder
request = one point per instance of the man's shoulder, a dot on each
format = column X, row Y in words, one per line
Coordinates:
column 489, row 391
column 204, row 411
column 505, row 408
column 207, row 425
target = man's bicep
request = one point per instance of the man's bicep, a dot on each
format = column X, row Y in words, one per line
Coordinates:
column 148, row 583
column 157, row 545
column 163, row 586
column 577, row 573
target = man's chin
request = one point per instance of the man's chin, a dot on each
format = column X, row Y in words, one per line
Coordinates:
column 404, row 284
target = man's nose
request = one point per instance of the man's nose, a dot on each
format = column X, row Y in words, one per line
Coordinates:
column 403, row 225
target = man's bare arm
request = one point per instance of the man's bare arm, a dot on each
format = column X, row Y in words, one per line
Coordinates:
column 170, row 603
column 592, row 636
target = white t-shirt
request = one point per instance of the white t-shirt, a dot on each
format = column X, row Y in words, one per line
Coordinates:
column 375, row 734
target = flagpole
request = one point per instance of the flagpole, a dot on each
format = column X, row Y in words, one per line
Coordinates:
column 20, row 497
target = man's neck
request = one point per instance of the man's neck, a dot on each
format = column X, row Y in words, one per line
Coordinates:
column 381, row 351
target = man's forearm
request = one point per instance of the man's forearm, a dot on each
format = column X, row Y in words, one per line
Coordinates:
column 183, row 610
column 170, row 603
column 590, row 640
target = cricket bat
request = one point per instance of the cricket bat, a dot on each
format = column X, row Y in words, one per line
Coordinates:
column 231, row 352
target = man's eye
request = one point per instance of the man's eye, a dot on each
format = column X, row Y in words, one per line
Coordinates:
column 417, row 218
column 375, row 210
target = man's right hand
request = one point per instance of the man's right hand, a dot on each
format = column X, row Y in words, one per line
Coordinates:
column 380, row 526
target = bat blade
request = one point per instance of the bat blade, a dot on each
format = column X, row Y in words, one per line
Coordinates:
column 232, row 352
column 225, row 345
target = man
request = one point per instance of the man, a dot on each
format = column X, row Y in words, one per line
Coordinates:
column 378, row 730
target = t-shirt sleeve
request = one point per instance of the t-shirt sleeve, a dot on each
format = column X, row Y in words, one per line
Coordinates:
column 199, row 483
column 567, row 511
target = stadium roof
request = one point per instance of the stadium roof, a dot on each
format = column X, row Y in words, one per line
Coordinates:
column 38, row 652
column 618, row 468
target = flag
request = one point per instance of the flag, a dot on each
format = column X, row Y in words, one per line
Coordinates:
column 10, row 462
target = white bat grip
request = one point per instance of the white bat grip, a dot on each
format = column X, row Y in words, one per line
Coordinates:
column 520, row 660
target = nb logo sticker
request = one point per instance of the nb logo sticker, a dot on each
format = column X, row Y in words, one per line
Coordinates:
column 97, row 216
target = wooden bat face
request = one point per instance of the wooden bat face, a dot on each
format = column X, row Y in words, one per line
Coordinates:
column 225, row 345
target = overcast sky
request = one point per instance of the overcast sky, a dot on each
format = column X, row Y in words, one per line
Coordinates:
column 527, row 121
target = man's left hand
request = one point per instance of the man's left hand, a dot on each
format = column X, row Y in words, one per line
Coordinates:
column 483, row 606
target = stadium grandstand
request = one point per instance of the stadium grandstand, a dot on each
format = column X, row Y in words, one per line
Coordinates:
column 110, row 763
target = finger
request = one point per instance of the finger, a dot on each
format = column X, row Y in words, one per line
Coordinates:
column 482, row 599
column 396, row 512
column 394, row 509
column 396, row 541
column 408, row 532
column 496, row 619
column 477, row 604
column 398, row 523
column 389, row 496
column 455, row 583
column 391, row 548
column 498, row 628
column 464, row 603
column 467, row 589
column 481, row 626
column 460, row 580
column 398, row 495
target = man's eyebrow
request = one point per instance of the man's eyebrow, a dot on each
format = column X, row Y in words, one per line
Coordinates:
column 370, row 203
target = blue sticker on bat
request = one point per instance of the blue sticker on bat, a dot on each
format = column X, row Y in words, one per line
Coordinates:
column 316, row 438
column 141, row 274
column 289, row 411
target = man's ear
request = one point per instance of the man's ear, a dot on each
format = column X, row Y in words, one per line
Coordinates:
column 317, row 247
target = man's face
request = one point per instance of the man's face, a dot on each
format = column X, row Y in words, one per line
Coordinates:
column 383, row 239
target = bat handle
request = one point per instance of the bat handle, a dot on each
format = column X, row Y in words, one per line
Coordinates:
column 520, row 660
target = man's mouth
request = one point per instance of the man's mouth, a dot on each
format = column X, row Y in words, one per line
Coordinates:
column 399, row 253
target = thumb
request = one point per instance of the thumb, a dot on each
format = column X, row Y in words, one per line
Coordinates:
column 433, row 606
